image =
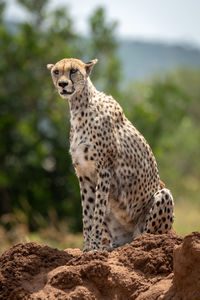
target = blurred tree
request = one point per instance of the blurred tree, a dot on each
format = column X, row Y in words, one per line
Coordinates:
column 158, row 109
column 2, row 7
column 189, row 81
column 167, row 112
column 36, row 173
column 104, row 47
column 36, row 8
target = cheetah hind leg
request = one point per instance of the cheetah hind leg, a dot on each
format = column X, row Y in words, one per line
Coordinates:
column 161, row 215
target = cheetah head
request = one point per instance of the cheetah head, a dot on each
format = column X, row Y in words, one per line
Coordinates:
column 70, row 75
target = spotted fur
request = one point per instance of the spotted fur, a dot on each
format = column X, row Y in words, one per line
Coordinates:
column 122, row 195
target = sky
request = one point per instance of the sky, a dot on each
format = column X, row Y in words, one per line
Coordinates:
column 173, row 21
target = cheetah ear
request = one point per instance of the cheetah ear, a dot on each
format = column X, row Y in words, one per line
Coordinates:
column 89, row 65
column 50, row 66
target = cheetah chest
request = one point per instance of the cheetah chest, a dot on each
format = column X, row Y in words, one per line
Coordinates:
column 81, row 153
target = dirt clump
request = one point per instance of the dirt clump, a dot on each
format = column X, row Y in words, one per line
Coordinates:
column 187, row 267
column 151, row 267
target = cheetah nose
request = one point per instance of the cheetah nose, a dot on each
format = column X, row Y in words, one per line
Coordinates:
column 63, row 84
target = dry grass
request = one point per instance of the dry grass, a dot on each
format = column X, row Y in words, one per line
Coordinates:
column 56, row 237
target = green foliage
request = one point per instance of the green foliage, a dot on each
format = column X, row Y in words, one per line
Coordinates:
column 104, row 47
column 34, row 155
column 157, row 108
column 36, row 173
column 167, row 112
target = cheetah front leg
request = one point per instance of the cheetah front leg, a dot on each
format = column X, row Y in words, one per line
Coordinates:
column 88, row 203
column 101, row 202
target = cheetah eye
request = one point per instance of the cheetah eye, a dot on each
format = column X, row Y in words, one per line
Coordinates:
column 73, row 71
column 56, row 72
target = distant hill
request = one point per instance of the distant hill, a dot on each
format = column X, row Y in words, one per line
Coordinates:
column 141, row 59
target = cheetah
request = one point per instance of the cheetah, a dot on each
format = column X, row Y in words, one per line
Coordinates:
column 122, row 195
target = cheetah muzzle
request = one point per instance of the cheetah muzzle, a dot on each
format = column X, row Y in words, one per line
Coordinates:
column 122, row 195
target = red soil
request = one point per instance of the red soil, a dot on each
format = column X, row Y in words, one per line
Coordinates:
column 151, row 267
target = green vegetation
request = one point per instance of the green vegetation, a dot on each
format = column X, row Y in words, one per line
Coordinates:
column 39, row 191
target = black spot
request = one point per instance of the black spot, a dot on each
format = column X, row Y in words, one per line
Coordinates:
column 92, row 189
column 158, row 203
column 154, row 216
column 100, row 212
column 153, row 223
column 163, row 200
column 160, row 212
column 87, row 178
column 81, row 179
column 85, row 191
column 86, row 150
column 166, row 196
column 166, row 226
